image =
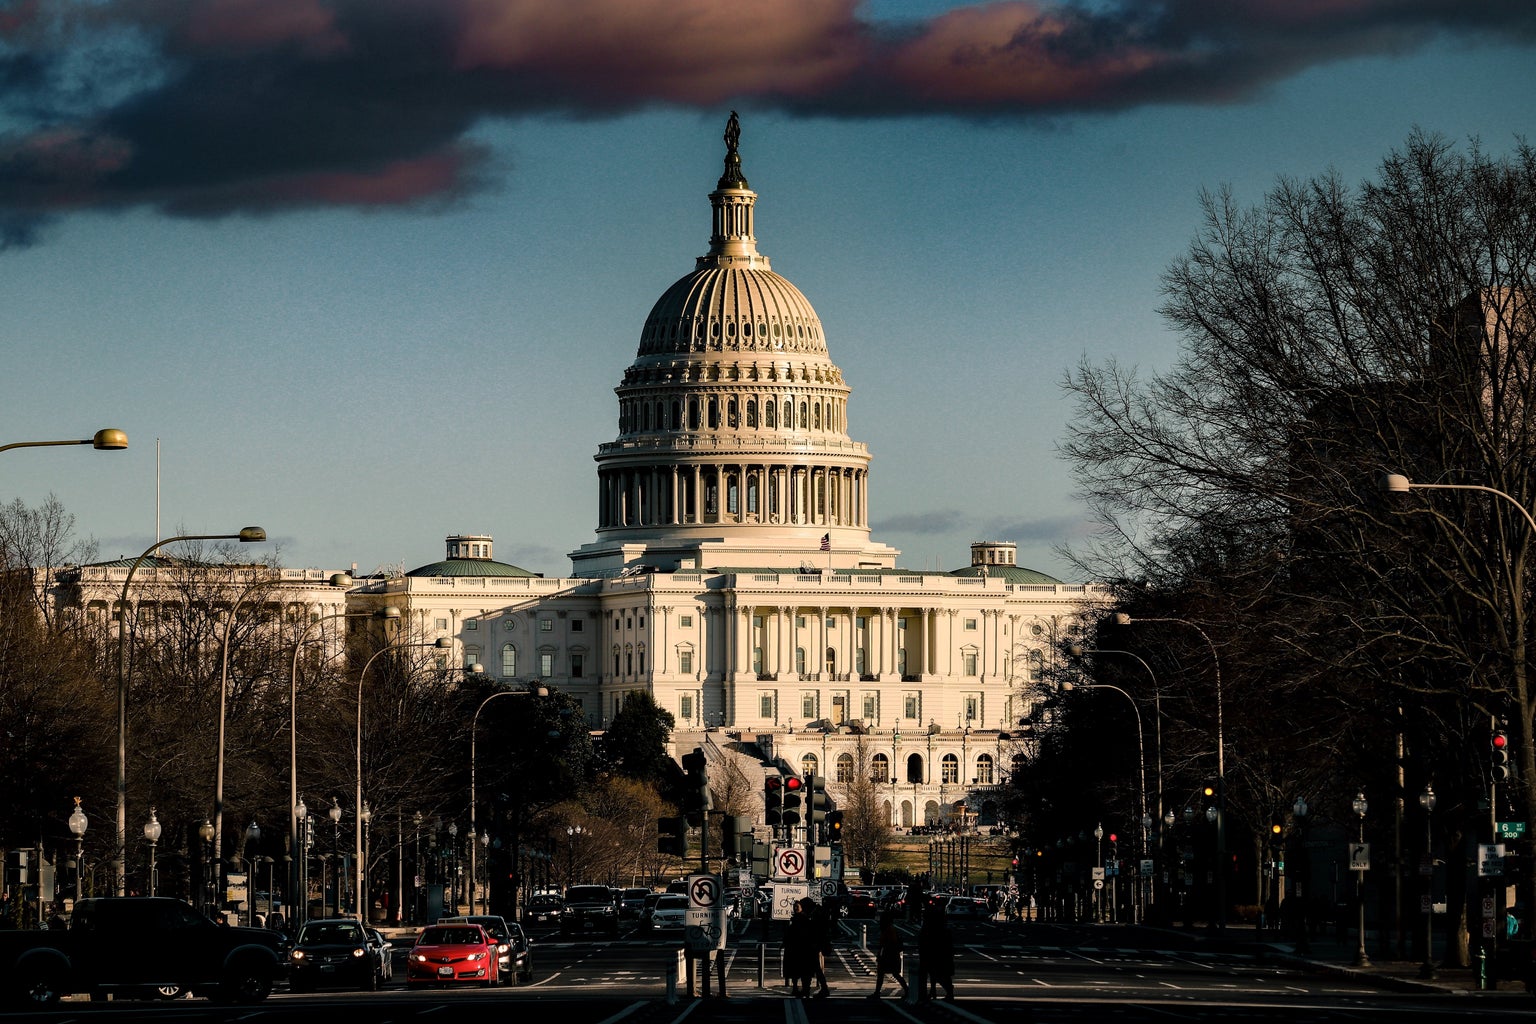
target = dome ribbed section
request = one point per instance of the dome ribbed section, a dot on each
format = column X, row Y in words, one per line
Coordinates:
column 732, row 309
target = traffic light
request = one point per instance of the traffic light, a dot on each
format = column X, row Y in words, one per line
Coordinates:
column 793, row 788
column 835, row 827
column 773, row 799
column 737, row 837
column 1500, row 754
column 1276, row 827
column 818, row 803
column 674, row 836
column 696, row 794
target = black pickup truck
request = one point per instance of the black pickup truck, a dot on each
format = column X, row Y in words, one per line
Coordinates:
column 138, row 947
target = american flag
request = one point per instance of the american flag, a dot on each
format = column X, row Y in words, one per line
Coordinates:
column 826, row 542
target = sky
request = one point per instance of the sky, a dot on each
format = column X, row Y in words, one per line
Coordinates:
column 365, row 273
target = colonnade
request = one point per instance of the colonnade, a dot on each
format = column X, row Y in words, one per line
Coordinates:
column 733, row 493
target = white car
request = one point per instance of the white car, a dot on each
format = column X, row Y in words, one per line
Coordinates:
column 669, row 914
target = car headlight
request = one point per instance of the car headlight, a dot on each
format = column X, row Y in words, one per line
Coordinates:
column 297, row 954
column 502, row 948
column 359, row 952
column 419, row 958
column 476, row 956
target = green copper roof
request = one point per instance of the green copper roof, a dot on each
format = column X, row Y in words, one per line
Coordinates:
column 470, row 567
column 1010, row 573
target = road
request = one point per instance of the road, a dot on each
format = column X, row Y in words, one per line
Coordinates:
column 1042, row 973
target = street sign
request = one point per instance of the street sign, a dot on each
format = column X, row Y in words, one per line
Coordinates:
column 1511, row 829
column 1490, row 860
column 1359, row 856
column 785, row 896
column 789, row 862
column 704, row 921
column 1098, row 875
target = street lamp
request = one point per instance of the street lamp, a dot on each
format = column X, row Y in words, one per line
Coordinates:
column 106, row 440
column 205, row 832
column 1427, row 801
column 442, row 643
column 537, row 691
column 1303, row 875
column 364, row 905
column 298, row 894
column 295, row 815
column 248, row 535
column 1396, row 483
column 77, row 824
column 1122, row 619
column 152, row 833
column 252, row 839
column 1098, row 888
column 335, row 815
column 1359, row 805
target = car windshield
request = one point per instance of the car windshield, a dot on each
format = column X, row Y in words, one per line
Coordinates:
column 672, row 903
column 589, row 894
column 330, row 933
column 450, row 936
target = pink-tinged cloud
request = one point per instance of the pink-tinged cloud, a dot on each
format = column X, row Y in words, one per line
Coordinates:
column 692, row 52
column 248, row 26
column 254, row 105
column 400, row 183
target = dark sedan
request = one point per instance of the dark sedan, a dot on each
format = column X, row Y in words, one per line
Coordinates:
column 333, row 953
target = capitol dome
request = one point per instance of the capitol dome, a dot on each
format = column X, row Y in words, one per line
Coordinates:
column 733, row 447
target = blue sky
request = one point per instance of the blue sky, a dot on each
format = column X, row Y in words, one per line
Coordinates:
column 364, row 320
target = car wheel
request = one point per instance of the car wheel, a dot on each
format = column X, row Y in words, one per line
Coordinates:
column 40, row 987
column 246, row 982
column 169, row 991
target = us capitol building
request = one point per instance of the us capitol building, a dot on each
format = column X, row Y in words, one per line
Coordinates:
column 733, row 575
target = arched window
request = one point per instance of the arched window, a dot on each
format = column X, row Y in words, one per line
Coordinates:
column 800, row 661
column 808, row 765
column 880, row 768
column 508, row 660
column 984, row 770
column 769, row 419
column 831, row 661
column 844, row 769
column 949, row 768
column 915, row 768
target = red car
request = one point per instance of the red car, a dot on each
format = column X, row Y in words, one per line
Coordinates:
column 448, row 953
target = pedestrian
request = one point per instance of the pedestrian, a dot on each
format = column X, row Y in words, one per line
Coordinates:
column 936, row 955
column 799, row 953
column 888, row 954
column 915, row 901
column 821, row 921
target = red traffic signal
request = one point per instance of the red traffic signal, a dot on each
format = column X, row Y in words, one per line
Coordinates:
column 1114, row 838
column 772, row 783
column 793, row 783
column 1500, row 741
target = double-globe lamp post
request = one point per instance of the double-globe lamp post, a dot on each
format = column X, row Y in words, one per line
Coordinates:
column 152, row 832
column 77, row 825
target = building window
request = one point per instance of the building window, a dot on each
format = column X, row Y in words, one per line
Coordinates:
column 844, row 768
column 576, row 666
column 831, row 662
column 868, row 711
column 471, row 657
column 629, row 663
column 949, row 769
column 546, row 625
column 809, row 765
column 685, row 706
column 441, row 623
column 831, row 622
column 757, row 660
column 765, row 706
column 984, row 772
column 685, row 621
column 972, row 709
column 970, row 624
column 685, row 662
column 968, row 659
column 578, row 626
column 508, row 660
column 472, row 624
column 880, row 768
column 911, row 706
column 800, row 661
column 799, row 621
column 546, row 665
column 901, row 660
column 861, row 622
column 808, row 705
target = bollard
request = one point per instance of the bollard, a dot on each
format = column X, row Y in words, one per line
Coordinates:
column 762, row 963
column 864, row 937
column 672, row 979
column 915, row 979
column 1482, row 968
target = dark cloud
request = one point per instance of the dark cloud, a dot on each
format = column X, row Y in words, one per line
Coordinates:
column 1055, row 529
column 212, row 107
column 941, row 522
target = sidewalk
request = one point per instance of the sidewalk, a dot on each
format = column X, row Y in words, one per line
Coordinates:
column 1335, row 954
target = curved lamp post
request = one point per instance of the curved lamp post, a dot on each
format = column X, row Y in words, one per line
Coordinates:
column 152, row 834
column 537, row 691
column 1121, row 618
column 106, row 440
column 248, row 535
column 77, row 824
column 441, row 643
column 296, row 855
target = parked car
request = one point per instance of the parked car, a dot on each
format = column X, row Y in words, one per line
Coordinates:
column 669, row 914
column 450, row 953
column 860, row 903
column 514, row 960
column 333, row 952
column 968, row 907
column 590, row 907
column 544, row 908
